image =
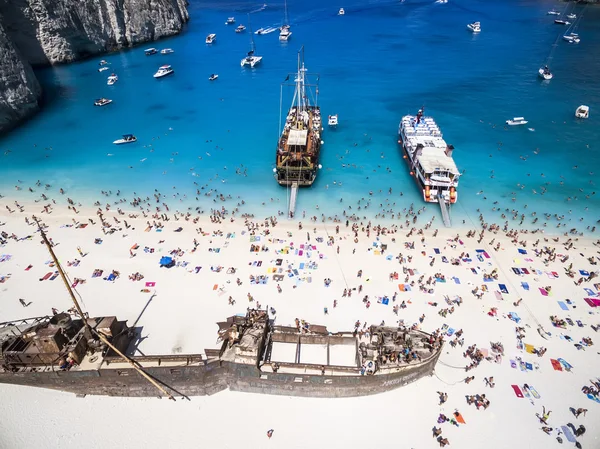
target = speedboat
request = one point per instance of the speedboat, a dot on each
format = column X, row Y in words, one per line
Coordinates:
column 103, row 62
column 150, row 51
column 561, row 22
column 102, row 102
column 441, row 1
column 251, row 60
column 545, row 73
column 333, row 120
column 571, row 16
column 127, row 138
column 112, row 79
column 240, row 28
column 167, row 51
column 260, row 31
column 475, row 27
column 213, row 77
column 582, row 111
column 284, row 33
column 341, row 12
column 517, row 121
column 230, row 21
column 211, row 38
column 102, row 69
column 572, row 38
column 164, row 70
column 553, row 12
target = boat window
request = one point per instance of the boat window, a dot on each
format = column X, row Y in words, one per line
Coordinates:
column 298, row 379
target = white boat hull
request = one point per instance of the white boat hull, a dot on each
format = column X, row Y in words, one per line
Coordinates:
column 544, row 76
column 162, row 75
column 582, row 112
column 123, row 141
column 251, row 62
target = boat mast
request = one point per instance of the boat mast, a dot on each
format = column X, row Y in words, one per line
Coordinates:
column 88, row 328
column 285, row 14
column 251, row 38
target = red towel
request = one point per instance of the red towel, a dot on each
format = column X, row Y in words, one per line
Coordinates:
column 517, row 390
column 556, row 365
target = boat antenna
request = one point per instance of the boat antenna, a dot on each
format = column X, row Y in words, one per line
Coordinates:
column 83, row 316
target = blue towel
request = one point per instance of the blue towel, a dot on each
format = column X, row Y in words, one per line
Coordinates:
column 302, row 266
column 568, row 434
column 390, row 257
column 525, row 285
column 436, row 250
column 450, row 332
column 590, row 292
column 386, row 301
column 563, row 305
column 522, row 251
column 503, row 288
column 457, row 280
column 584, row 272
column 529, row 366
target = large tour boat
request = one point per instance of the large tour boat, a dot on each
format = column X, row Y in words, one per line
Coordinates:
column 429, row 158
column 299, row 145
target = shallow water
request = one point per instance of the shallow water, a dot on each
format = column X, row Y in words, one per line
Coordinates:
column 380, row 61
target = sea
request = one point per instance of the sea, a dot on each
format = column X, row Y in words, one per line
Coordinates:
column 379, row 61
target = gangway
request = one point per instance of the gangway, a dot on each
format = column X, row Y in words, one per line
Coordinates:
column 445, row 212
column 293, row 196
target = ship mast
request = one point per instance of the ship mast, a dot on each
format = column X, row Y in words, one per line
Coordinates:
column 88, row 328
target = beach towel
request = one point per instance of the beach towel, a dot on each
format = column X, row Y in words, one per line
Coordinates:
column 584, row 272
column 436, row 250
column 568, row 434
column 593, row 302
column 503, row 288
column 529, row 366
column 522, row 251
column 525, row 270
column 529, row 348
column 543, row 291
column 513, row 364
column 513, row 316
column 498, row 296
column 47, row 276
column 517, row 391
column 456, row 280
column 215, row 286
column 590, row 292
column 450, row 332
column 459, row 418
column 525, row 285
column 516, row 270
column 54, row 276
column 563, row 305
column 389, row 257
column 593, row 398
column 385, row 301
column 566, row 365
column 534, row 392
column 150, row 284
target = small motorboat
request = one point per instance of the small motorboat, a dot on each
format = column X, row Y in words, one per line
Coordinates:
column 213, row 77
column 561, row 22
column 545, row 73
column 127, row 138
column 475, row 27
column 163, row 70
column 230, row 21
column 553, row 12
column 517, row 121
column 240, row 29
column 259, row 31
column 341, row 12
column 211, row 38
column 572, row 38
column 102, row 69
column 333, row 120
column 167, row 51
column 150, row 51
column 571, row 16
column 112, row 79
column 102, row 102
column 103, row 62
column 582, row 111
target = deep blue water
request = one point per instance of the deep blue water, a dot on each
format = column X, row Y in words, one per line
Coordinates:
column 382, row 60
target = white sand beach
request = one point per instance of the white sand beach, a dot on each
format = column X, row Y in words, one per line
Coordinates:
column 186, row 303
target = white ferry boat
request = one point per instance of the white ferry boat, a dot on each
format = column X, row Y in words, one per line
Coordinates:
column 164, row 70
column 429, row 158
column 211, row 38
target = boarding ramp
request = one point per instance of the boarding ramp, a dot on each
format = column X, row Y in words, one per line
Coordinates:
column 293, row 196
column 445, row 211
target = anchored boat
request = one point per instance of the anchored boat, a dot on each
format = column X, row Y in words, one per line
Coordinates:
column 299, row 145
column 429, row 158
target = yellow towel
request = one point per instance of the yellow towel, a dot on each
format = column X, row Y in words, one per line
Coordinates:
column 517, row 261
column 377, row 252
column 529, row 348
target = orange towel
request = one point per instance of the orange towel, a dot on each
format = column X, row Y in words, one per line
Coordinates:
column 216, row 286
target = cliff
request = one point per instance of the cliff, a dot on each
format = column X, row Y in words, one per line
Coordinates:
column 19, row 88
column 44, row 32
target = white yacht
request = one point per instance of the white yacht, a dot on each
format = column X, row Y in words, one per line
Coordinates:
column 112, row 79
column 571, row 16
column 251, row 59
column 150, row 51
column 230, row 21
column 582, row 111
column 545, row 73
column 260, row 31
column 429, row 158
column 341, row 12
column 240, row 29
column 332, row 120
column 102, row 102
column 167, row 51
column 127, row 138
column 213, row 77
column 475, row 27
column 163, row 70
column 572, row 38
column 211, row 38
column 553, row 12
column 517, row 121
column 103, row 62
column 284, row 31
column 561, row 22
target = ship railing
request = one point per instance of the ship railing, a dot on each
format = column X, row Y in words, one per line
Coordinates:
column 158, row 360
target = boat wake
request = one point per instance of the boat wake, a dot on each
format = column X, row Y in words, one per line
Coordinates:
column 266, row 30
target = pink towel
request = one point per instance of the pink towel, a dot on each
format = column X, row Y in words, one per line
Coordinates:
column 150, row 284
column 593, row 302
column 543, row 292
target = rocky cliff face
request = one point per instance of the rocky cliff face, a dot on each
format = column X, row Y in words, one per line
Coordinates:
column 42, row 32
column 19, row 89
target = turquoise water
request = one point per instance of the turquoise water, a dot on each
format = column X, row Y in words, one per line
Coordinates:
column 382, row 60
